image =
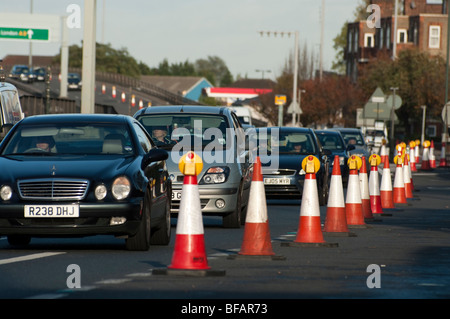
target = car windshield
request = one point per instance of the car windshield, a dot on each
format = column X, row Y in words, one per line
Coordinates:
column 331, row 142
column 287, row 143
column 69, row 139
column 198, row 131
column 353, row 138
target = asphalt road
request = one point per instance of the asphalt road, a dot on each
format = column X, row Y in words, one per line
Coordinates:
column 409, row 250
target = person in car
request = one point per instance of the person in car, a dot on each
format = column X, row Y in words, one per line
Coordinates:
column 159, row 135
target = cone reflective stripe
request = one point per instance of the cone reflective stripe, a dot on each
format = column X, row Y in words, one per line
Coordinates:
column 374, row 187
column 256, row 234
column 399, row 184
column 387, row 198
column 432, row 156
column 364, row 186
column 443, row 160
column 407, row 179
column 336, row 220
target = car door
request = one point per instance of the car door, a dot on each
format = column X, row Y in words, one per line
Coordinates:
column 155, row 172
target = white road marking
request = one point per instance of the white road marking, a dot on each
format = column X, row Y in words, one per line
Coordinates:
column 28, row 257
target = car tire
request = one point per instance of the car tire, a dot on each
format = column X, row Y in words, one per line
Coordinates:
column 161, row 235
column 19, row 240
column 233, row 220
column 141, row 240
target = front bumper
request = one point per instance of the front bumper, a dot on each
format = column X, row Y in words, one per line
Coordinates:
column 209, row 196
column 94, row 219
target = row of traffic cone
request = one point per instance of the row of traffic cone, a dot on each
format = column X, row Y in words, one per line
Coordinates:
column 190, row 256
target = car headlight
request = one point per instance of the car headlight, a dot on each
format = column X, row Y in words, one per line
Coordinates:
column 100, row 192
column 6, row 192
column 215, row 175
column 341, row 160
column 121, row 187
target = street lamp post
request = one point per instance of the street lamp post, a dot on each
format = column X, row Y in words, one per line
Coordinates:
column 294, row 92
column 263, row 71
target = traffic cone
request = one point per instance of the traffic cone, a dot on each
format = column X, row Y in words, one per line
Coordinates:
column 335, row 220
column 374, row 188
column 309, row 229
column 407, row 179
column 364, row 186
column 412, row 157
column 383, row 151
column 399, row 184
column 257, row 242
column 432, row 156
column 189, row 257
column 425, row 157
column 103, row 89
column 114, row 93
column 353, row 204
column 443, row 160
column 123, row 97
column 387, row 199
column 417, row 151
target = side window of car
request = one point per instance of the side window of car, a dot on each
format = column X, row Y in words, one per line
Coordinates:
column 143, row 139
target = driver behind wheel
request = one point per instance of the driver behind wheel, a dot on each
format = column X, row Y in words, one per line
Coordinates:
column 44, row 143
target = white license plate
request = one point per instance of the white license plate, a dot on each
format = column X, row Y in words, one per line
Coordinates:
column 51, row 211
column 176, row 195
column 277, row 181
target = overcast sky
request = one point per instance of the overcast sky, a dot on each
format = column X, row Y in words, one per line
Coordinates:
column 181, row 30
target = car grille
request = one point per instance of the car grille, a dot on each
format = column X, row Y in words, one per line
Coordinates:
column 53, row 189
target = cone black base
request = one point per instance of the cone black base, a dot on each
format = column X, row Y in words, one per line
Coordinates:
column 339, row 234
column 257, row 257
column 189, row 272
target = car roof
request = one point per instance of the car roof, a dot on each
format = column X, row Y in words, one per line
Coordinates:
column 183, row 108
column 288, row 129
column 331, row 132
column 347, row 129
column 76, row 117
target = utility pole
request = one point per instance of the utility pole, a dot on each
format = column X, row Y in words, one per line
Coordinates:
column 88, row 69
column 321, row 39
column 394, row 48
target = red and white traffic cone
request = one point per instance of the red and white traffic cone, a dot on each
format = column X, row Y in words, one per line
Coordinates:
column 103, row 89
column 114, row 93
column 257, row 242
column 407, row 179
column 443, row 160
column 309, row 229
column 412, row 157
column 399, row 184
column 426, row 157
column 336, row 220
column 432, row 156
column 364, row 186
column 123, row 97
column 189, row 257
column 387, row 198
column 353, row 204
column 374, row 187
column 383, row 152
column 417, row 152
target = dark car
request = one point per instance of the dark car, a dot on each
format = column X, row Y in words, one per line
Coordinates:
column 354, row 136
column 74, row 81
column 22, row 73
column 39, row 74
column 216, row 135
column 282, row 150
column 333, row 141
column 83, row 175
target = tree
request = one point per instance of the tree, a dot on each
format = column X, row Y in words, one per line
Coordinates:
column 419, row 77
column 215, row 70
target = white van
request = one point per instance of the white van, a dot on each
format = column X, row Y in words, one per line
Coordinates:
column 10, row 108
column 243, row 115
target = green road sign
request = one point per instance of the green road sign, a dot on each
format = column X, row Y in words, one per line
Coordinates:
column 24, row 34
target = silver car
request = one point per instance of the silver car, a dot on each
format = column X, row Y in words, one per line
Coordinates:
column 216, row 135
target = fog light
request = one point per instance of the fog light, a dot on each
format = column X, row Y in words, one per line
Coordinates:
column 117, row 221
column 6, row 192
column 220, row 203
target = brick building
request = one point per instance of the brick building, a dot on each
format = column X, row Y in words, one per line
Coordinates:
column 421, row 24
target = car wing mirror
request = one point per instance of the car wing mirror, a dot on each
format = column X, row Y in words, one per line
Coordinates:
column 350, row 147
column 155, row 155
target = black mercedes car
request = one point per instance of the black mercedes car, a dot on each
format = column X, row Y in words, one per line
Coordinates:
column 332, row 140
column 282, row 150
column 81, row 175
